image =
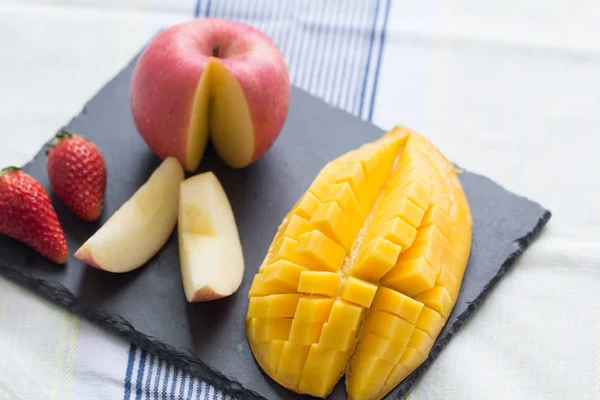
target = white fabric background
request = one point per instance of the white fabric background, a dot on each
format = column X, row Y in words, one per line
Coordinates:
column 507, row 89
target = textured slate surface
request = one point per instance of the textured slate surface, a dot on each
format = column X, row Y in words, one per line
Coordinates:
column 147, row 306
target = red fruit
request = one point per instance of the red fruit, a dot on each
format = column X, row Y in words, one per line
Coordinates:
column 27, row 215
column 77, row 173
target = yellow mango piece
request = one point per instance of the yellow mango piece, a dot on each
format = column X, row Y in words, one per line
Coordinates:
column 375, row 259
column 273, row 306
column 410, row 360
column 460, row 240
column 408, row 175
column 429, row 244
column 260, row 288
column 336, row 337
column 358, row 291
column 313, row 309
column 322, row 183
column 354, row 175
column 267, row 329
column 342, row 194
column 430, row 321
column 297, row 226
column 411, row 277
column 322, row 370
column 421, row 342
column 364, row 270
column 447, row 279
column 330, row 220
column 286, row 249
column 440, row 195
column 438, row 299
column 396, row 303
column 378, row 159
column 345, row 314
column 440, row 162
column 377, row 162
column 307, row 205
column 419, row 144
column 321, row 252
column 369, row 374
column 438, row 217
column 397, row 375
column 319, row 282
column 382, row 347
column 404, row 208
column 283, row 273
column 418, row 193
column 395, row 230
column 291, row 364
column 388, row 325
column 454, row 262
column 413, row 161
column 305, row 333
column 270, row 354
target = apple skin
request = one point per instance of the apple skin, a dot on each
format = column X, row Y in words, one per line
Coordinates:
column 166, row 78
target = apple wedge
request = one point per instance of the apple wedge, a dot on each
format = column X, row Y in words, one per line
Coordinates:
column 140, row 227
column 210, row 252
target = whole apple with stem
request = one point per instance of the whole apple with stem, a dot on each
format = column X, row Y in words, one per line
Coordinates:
column 212, row 78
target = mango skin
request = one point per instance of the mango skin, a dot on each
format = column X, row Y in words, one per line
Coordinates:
column 363, row 272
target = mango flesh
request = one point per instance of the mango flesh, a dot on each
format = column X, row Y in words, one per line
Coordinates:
column 363, row 272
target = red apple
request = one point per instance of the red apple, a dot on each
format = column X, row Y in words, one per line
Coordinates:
column 210, row 77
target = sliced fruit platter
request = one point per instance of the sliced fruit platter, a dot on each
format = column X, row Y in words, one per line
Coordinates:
column 360, row 275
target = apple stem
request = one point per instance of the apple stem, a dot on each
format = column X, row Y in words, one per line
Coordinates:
column 216, row 51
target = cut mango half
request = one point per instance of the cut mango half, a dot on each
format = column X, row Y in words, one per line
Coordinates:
column 363, row 272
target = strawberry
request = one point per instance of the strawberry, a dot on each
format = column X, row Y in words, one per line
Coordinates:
column 27, row 215
column 77, row 173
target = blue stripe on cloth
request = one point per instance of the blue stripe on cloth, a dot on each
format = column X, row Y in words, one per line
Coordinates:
column 156, row 382
column 197, row 9
column 149, row 378
column 366, row 74
column 334, row 51
column 182, row 386
column 379, row 57
column 140, row 375
column 129, row 372
column 175, row 376
column 200, row 391
column 190, row 388
column 351, row 47
column 166, row 382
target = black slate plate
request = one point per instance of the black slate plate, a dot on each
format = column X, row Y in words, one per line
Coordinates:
column 147, row 306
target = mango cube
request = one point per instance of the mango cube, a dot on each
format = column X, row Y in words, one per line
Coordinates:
column 321, row 252
column 411, row 277
column 396, row 303
column 283, row 273
column 376, row 259
column 358, row 291
column 319, row 282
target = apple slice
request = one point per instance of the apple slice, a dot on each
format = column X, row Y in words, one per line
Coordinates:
column 140, row 227
column 210, row 252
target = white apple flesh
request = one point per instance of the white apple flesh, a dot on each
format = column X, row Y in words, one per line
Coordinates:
column 210, row 252
column 140, row 227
